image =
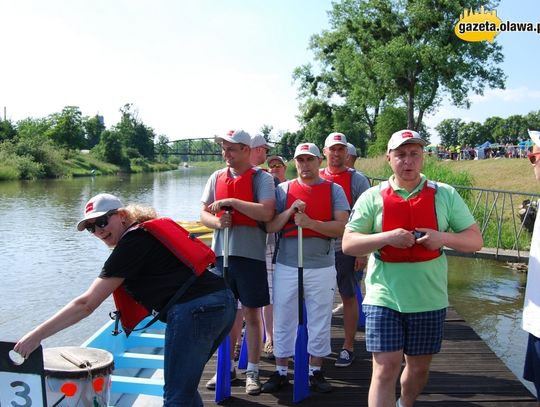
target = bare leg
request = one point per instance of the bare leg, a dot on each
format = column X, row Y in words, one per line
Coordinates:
column 350, row 320
column 254, row 333
column 414, row 378
column 386, row 369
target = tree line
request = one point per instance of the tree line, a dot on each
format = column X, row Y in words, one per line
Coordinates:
column 380, row 66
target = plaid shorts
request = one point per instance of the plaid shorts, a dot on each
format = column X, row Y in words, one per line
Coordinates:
column 416, row 333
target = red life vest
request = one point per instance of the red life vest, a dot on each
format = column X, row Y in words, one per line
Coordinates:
column 343, row 178
column 416, row 212
column 191, row 251
column 318, row 199
column 240, row 187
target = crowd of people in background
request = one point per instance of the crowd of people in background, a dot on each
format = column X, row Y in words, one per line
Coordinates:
column 484, row 151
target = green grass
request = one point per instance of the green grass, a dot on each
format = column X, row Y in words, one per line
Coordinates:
column 503, row 174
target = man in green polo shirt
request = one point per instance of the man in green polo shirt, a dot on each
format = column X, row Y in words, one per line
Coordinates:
column 404, row 223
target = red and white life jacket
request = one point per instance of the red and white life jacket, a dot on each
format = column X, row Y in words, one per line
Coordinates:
column 318, row 199
column 416, row 212
column 191, row 251
column 344, row 179
column 240, row 187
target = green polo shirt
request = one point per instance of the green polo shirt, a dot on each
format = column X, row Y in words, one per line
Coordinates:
column 409, row 287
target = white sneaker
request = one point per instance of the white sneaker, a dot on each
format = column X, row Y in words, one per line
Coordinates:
column 253, row 384
column 211, row 384
column 338, row 310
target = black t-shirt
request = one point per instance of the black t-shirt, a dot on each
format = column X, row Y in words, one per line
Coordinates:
column 152, row 273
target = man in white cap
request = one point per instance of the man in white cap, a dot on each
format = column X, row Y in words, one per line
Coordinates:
column 240, row 197
column 321, row 209
column 404, row 223
column 354, row 183
column 531, row 308
column 352, row 155
column 259, row 149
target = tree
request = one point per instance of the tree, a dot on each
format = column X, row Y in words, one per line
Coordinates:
column 134, row 134
column 93, row 127
column 391, row 120
column 399, row 52
column 470, row 134
column 67, row 128
column 7, row 130
column 110, row 149
column 448, row 131
column 265, row 130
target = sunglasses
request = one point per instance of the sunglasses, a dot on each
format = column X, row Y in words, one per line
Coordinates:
column 276, row 166
column 100, row 222
column 533, row 157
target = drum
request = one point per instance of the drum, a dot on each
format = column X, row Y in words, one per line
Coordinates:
column 77, row 376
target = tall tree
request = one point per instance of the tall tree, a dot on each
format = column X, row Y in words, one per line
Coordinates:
column 404, row 52
column 67, row 128
column 448, row 131
column 93, row 127
column 7, row 130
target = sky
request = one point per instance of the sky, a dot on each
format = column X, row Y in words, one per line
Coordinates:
column 202, row 67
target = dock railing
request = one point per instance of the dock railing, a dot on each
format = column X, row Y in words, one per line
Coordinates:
column 506, row 234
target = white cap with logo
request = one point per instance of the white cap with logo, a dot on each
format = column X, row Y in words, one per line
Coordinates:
column 259, row 141
column 98, row 206
column 307, row 148
column 404, row 137
column 335, row 138
column 236, row 137
column 351, row 150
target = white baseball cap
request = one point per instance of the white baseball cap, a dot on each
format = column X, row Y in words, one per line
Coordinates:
column 259, row 141
column 97, row 206
column 307, row 148
column 404, row 137
column 535, row 136
column 236, row 137
column 351, row 150
column 335, row 138
column 276, row 158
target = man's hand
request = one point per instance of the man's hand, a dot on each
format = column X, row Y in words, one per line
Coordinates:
column 400, row 238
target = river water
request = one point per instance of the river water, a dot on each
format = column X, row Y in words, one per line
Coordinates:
column 45, row 262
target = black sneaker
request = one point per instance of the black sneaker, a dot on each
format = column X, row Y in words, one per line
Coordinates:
column 318, row 383
column 274, row 383
column 345, row 358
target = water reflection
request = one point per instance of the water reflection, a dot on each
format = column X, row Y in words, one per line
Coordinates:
column 489, row 296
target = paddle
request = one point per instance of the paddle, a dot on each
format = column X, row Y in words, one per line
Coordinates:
column 301, row 357
column 223, row 379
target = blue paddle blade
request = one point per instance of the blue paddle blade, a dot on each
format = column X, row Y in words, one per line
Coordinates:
column 223, row 379
column 301, row 365
column 361, row 316
column 243, row 357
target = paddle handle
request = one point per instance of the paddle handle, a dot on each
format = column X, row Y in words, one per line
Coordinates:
column 228, row 210
column 300, row 276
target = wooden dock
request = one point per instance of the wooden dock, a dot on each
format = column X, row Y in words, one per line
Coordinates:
column 465, row 373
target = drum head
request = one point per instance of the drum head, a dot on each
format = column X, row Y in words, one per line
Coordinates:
column 76, row 362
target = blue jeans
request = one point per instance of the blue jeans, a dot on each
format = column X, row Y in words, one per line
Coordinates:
column 194, row 331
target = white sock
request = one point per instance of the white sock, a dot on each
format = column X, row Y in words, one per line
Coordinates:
column 232, row 365
column 252, row 367
column 313, row 369
column 282, row 370
column 398, row 403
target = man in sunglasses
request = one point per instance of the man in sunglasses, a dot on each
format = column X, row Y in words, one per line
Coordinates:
column 531, row 308
column 404, row 223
